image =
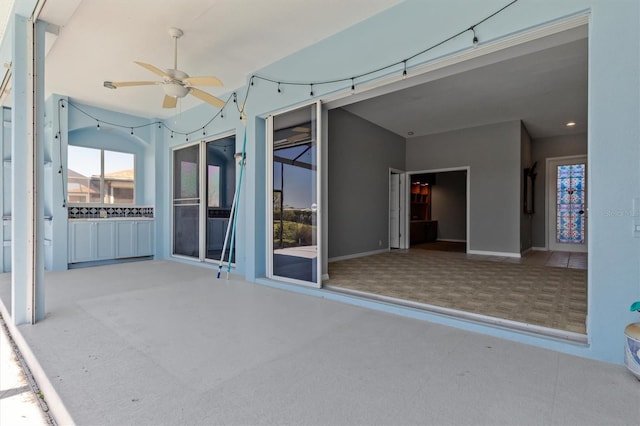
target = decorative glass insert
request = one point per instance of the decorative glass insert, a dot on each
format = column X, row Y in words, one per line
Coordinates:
column 570, row 204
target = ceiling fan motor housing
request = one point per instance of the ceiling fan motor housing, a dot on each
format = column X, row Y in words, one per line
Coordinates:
column 175, row 87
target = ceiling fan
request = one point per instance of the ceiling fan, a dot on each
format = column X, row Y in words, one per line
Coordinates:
column 175, row 83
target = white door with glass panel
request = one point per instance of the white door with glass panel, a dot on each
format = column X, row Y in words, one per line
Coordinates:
column 567, row 203
column 293, row 180
column 204, row 178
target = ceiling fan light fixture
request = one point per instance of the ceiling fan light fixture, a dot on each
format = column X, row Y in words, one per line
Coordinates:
column 175, row 90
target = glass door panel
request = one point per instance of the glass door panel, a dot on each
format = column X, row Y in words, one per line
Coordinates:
column 220, row 188
column 568, row 205
column 294, row 184
column 186, row 201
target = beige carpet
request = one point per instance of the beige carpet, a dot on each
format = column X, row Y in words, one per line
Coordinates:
column 551, row 297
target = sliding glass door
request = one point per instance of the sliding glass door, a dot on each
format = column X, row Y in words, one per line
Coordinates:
column 186, row 201
column 294, row 182
column 204, row 178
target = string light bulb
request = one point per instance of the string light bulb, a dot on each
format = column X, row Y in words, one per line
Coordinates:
column 98, row 126
column 172, row 134
column 203, row 132
column 311, row 92
column 132, row 131
column 475, row 37
column 353, row 86
column 404, row 72
column 279, row 90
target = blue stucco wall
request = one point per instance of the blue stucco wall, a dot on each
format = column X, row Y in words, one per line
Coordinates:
column 614, row 133
column 397, row 33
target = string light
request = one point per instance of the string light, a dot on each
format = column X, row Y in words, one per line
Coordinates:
column 61, row 102
column 475, row 37
column 203, row 132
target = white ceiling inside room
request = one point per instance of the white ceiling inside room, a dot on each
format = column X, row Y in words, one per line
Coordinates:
column 544, row 89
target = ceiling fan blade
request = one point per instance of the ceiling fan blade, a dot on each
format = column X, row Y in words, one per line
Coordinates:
column 154, row 70
column 202, row 81
column 301, row 129
column 169, row 102
column 210, row 99
column 132, row 83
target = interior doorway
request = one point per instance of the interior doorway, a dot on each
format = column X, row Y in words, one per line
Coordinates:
column 439, row 209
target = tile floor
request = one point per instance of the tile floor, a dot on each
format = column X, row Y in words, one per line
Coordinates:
column 160, row 342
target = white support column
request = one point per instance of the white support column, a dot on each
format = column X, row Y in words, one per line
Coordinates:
column 27, row 280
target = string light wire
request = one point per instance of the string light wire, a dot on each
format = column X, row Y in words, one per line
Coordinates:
column 242, row 107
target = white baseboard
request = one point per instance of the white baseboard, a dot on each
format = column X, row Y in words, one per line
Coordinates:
column 325, row 277
column 356, row 255
column 449, row 240
column 539, row 249
column 494, row 253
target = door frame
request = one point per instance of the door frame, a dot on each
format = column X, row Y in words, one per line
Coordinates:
column 407, row 200
column 319, row 195
column 171, row 200
column 550, row 200
column 402, row 213
column 202, row 194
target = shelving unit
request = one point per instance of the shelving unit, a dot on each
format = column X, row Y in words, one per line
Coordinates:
column 422, row 229
column 420, row 201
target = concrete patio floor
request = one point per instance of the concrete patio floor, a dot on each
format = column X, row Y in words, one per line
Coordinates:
column 162, row 342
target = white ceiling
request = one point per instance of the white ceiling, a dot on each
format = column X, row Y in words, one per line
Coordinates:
column 99, row 40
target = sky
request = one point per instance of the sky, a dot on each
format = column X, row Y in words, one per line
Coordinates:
column 86, row 161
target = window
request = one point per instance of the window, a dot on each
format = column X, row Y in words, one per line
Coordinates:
column 100, row 176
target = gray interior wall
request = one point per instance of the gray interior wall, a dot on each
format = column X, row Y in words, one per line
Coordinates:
column 360, row 155
column 525, row 218
column 541, row 149
column 449, row 205
column 493, row 154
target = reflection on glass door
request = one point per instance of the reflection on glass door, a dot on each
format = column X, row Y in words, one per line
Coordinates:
column 294, row 183
column 220, row 180
column 568, row 202
column 186, row 201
